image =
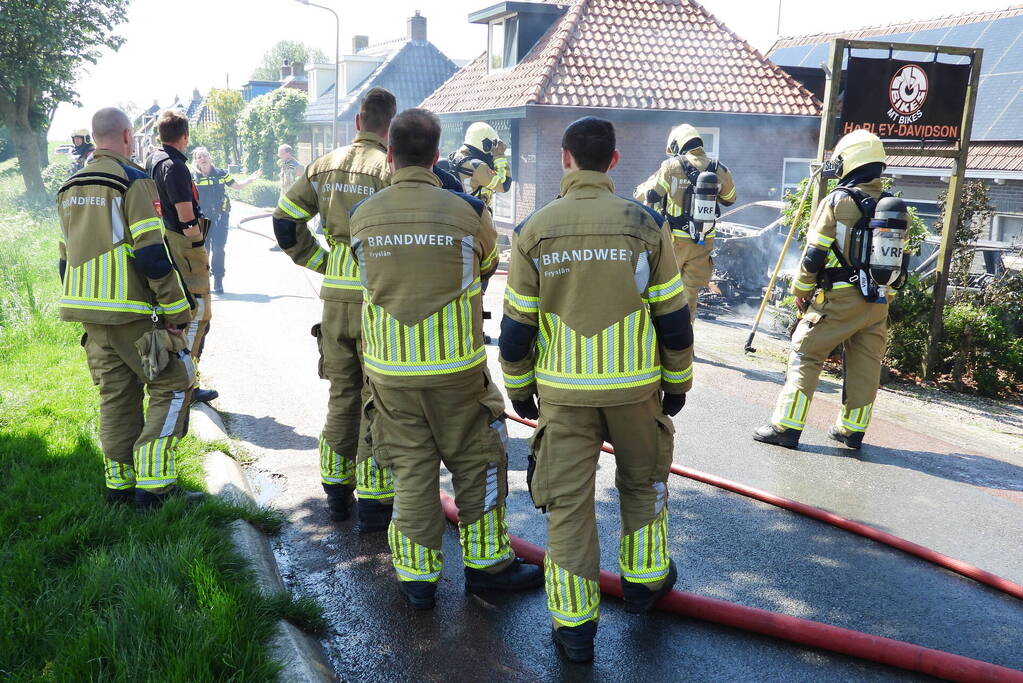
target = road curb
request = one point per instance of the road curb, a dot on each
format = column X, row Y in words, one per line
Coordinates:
column 301, row 656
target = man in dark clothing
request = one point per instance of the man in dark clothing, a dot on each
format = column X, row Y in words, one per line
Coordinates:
column 185, row 229
column 211, row 182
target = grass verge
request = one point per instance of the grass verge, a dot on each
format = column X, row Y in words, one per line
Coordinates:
column 89, row 591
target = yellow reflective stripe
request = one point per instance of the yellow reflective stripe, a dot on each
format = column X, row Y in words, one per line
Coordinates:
column 334, row 468
column 500, row 173
column 857, row 419
column 791, row 409
column 520, row 302
column 374, row 482
column 729, row 195
column 316, row 259
column 571, row 600
column 489, row 260
column 141, row 227
column 413, row 562
column 643, row 555
column 665, row 291
column 820, row 240
column 679, row 377
column 519, row 381
column 803, row 286
column 292, row 209
column 399, row 368
column 176, row 307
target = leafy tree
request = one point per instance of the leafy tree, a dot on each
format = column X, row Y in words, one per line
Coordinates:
column 269, row 68
column 223, row 131
column 975, row 211
column 43, row 44
column 268, row 121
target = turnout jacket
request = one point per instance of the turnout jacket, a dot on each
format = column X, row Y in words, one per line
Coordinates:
column 114, row 262
column 481, row 177
column 830, row 226
column 423, row 252
column 595, row 311
column 331, row 186
column 667, row 189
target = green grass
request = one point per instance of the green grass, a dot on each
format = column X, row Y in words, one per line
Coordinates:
column 89, row 591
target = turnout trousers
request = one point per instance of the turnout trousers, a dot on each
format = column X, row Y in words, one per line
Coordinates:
column 345, row 456
column 844, row 318
column 696, row 266
column 138, row 443
column 413, row 431
column 216, row 240
column 562, row 477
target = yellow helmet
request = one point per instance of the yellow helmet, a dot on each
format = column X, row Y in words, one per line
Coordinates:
column 80, row 133
column 482, row 136
column 679, row 137
column 854, row 150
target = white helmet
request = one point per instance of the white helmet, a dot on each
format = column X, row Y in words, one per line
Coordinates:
column 679, row 137
column 482, row 136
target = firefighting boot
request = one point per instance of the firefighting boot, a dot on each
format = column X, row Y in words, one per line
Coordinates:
column 518, row 576
column 147, row 500
column 420, row 594
column 853, row 439
column 120, row 496
column 218, row 285
column 339, row 501
column 789, row 438
column 639, row 599
column 576, row 641
column 204, row 395
column 374, row 516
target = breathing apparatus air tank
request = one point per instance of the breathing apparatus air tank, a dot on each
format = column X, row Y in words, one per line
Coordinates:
column 704, row 211
column 888, row 257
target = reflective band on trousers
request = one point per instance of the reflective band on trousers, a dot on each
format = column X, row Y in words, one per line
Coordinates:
column 119, row 476
column 643, row 555
column 856, row 419
column 485, row 542
column 334, row 468
column 412, row 561
column 571, row 599
column 791, row 409
column 443, row 343
column 374, row 482
column 623, row 355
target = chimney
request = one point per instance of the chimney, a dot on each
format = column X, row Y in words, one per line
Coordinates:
column 285, row 70
column 417, row 27
column 195, row 95
column 359, row 43
column 298, row 69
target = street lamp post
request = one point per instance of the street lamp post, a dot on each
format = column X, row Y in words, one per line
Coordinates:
column 337, row 66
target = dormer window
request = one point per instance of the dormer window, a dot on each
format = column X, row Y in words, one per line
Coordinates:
column 504, row 38
column 513, row 29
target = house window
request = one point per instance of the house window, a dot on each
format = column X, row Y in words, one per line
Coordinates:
column 503, row 40
column 794, row 170
column 1009, row 228
column 504, row 205
column 710, row 137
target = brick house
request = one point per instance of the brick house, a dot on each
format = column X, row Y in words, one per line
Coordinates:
column 411, row 68
column 646, row 65
column 996, row 152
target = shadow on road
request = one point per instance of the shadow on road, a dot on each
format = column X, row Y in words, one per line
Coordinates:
column 266, row 432
column 258, row 298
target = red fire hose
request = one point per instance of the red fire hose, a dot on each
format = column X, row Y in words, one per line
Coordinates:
column 793, row 629
column 865, row 530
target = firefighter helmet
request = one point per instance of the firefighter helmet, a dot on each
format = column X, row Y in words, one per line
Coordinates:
column 679, row 137
column 854, row 150
column 81, row 133
column 482, row 136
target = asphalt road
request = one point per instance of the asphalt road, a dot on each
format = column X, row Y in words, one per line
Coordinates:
column 922, row 476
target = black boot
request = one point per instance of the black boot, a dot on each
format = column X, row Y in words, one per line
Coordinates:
column 576, row 641
column 420, row 594
column 639, row 599
column 120, row 496
column 789, row 438
column 339, row 501
column 853, row 440
column 374, row 516
column 147, row 500
column 518, row 576
column 218, row 285
column 204, row 395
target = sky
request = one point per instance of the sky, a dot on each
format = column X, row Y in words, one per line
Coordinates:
column 220, row 42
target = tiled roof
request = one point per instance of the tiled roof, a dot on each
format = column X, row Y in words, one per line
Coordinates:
column 983, row 156
column 636, row 54
column 411, row 70
column 906, row 27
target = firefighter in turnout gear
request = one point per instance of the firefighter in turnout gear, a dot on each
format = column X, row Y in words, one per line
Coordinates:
column 597, row 324
column 848, row 309
column 120, row 284
column 83, row 147
column 211, row 183
column 481, row 163
column 330, row 187
column 186, row 229
column 423, row 252
column 675, row 191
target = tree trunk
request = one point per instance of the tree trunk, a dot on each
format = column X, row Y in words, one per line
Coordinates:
column 16, row 115
column 44, row 147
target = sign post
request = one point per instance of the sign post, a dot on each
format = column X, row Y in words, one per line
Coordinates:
column 922, row 102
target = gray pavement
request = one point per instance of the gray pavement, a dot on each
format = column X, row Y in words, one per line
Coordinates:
column 930, row 475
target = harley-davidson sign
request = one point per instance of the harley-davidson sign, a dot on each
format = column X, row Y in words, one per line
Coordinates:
column 899, row 100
